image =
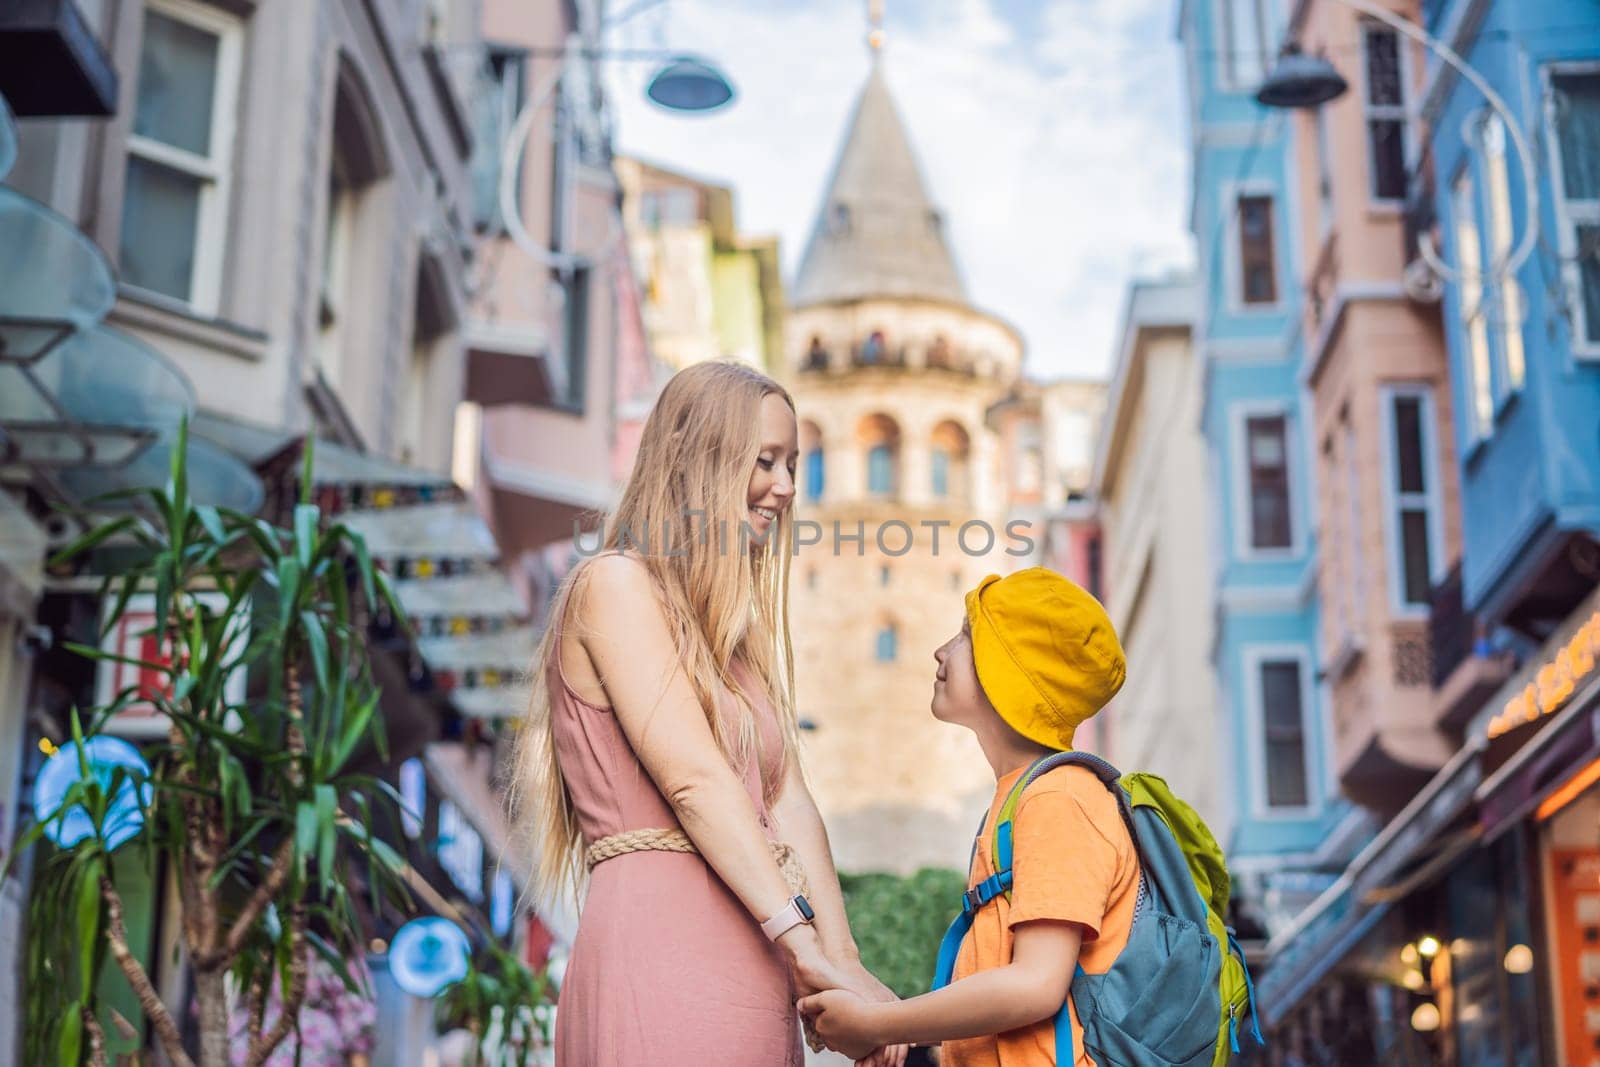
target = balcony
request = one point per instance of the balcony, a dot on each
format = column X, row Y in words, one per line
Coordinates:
column 1466, row 669
column 877, row 352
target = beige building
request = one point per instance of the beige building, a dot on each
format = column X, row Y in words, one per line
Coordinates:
column 894, row 372
column 1150, row 484
column 710, row 292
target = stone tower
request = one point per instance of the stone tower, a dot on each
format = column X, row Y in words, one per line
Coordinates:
column 894, row 373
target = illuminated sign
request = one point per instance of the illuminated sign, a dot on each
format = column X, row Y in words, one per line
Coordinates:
column 1554, row 683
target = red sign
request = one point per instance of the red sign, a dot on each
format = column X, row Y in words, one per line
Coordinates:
column 133, row 637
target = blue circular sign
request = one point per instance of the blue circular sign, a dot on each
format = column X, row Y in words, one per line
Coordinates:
column 125, row 813
column 428, row 954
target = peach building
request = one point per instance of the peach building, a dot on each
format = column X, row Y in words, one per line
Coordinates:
column 1378, row 373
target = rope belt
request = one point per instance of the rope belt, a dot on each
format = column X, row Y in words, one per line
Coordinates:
column 677, row 841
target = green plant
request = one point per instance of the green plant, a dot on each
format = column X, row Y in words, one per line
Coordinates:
column 253, row 804
column 499, row 1001
column 898, row 922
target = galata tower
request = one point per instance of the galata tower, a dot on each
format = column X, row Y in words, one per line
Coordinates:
column 893, row 371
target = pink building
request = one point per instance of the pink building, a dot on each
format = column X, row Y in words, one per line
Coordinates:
column 558, row 366
column 1388, row 525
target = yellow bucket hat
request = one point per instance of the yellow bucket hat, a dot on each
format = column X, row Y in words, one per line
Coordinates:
column 1046, row 653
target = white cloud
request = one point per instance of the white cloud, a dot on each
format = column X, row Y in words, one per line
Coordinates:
column 1051, row 136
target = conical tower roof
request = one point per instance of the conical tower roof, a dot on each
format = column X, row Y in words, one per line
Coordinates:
column 877, row 232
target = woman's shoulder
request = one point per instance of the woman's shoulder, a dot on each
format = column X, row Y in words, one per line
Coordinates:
column 612, row 579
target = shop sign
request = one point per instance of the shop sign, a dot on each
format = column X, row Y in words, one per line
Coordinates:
column 133, row 638
column 1554, row 682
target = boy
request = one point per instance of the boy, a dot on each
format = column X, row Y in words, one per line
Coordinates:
column 1035, row 657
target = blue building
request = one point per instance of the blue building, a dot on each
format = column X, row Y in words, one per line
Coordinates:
column 1464, row 932
column 1287, row 833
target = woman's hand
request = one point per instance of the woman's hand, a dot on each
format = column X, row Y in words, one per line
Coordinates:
column 864, row 984
column 843, row 1020
column 812, row 969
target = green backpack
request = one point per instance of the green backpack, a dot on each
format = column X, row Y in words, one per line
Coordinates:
column 1179, row 991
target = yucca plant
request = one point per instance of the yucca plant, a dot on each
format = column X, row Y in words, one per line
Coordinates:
column 253, row 803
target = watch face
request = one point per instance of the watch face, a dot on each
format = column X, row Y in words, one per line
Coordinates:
column 805, row 908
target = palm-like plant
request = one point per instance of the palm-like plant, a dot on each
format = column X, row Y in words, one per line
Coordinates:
column 504, row 1005
column 254, row 803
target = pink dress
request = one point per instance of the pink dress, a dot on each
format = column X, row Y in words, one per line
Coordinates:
column 668, row 968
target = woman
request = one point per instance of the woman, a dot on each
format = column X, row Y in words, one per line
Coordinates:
column 661, row 751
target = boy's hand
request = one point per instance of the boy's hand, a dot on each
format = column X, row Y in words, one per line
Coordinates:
column 843, row 1020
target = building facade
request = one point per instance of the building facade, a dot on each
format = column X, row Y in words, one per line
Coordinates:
column 291, row 203
column 1462, row 933
column 1289, row 829
column 1150, row 491
column 893, row 371
column 1387, row 503
column 710, row 292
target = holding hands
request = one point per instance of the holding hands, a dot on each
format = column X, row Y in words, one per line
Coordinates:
column 825, row 988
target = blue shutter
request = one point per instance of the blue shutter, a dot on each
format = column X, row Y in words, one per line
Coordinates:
column 814, row 475
column 941, row 472
column 888, row 644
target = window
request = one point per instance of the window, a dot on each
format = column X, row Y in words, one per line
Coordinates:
column 1267, row 455
column 1356, row 566
column 179, row 154
column 1575, row 107
column 1245, row 42
column 884, row 575
column 1474, row 318
column 1325, row 207
column 940, row 473
column 1258, row 271
column 873, row 350
column 502, row 904
column 1410, row 493
column 1508, row 298
column 888, row 643
column 669, row 207
column 1283, row 734
column 815, row 477
column 839, row 219
column 1385, row 111
column 502, row 81
column 880, row 470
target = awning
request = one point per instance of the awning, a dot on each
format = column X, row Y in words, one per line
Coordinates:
column 472, row 638
column 1302, row 955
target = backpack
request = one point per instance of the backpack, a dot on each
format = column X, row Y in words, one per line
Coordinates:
column 1178, row 993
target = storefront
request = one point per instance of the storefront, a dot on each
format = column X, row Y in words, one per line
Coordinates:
column 1468, row 932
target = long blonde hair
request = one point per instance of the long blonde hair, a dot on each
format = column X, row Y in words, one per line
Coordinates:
column 682, row 516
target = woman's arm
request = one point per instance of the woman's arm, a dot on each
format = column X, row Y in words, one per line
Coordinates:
column 800, row 825
column 1029, row 989
column 624, row 630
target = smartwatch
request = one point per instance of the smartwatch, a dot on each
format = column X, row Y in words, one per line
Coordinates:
column 797, row 911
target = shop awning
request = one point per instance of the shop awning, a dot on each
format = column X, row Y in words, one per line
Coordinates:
column 1302, row 955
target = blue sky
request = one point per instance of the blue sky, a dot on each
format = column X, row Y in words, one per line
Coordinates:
column 1051, row 133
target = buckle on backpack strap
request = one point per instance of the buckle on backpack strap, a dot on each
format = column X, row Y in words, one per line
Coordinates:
column 985, row 891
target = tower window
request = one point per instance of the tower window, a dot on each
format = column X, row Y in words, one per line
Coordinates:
column 888, row 643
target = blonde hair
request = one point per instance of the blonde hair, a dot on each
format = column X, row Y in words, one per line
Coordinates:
column 724, row 603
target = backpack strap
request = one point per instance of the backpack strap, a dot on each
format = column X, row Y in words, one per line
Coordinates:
column 1109, row 776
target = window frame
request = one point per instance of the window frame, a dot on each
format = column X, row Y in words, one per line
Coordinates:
column 1569, row 214
column 1400, row 112
column 1228, row 78
column 214, row 171
column 511, row 95
column 1254, row 658
column 1239, row 416
column 1233, row 253
column 1508, row 380
column 1472, row 316
column 888, row 451
column 816, row 473
column 1394, row 500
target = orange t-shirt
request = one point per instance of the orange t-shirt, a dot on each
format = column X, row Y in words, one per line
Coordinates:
column 1073, row 861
